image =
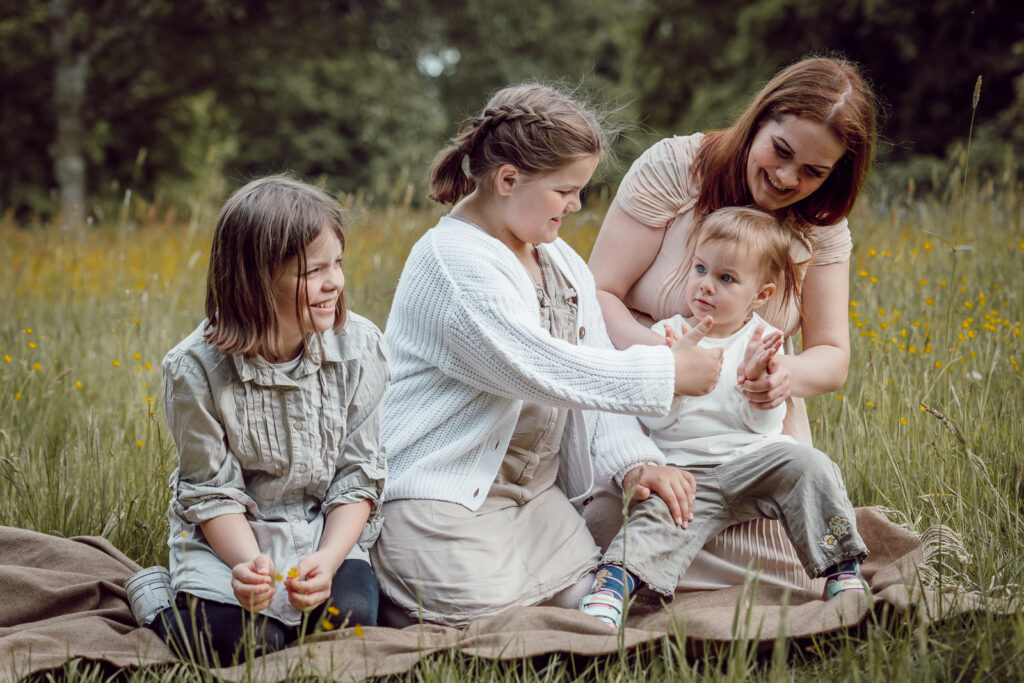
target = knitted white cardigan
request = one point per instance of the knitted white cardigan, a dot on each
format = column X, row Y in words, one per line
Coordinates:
column 467, row 348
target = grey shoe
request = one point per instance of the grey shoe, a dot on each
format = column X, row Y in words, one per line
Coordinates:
column 149, row 593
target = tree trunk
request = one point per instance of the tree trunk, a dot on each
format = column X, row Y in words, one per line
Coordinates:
column 71, row 59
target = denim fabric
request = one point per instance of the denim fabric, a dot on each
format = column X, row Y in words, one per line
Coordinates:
column 795, row 484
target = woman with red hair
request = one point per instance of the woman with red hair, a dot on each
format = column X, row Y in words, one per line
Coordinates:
column 801, row 151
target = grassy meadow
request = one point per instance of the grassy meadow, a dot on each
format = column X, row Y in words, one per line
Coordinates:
column 930, row 423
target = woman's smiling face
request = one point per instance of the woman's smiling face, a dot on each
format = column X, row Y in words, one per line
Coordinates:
column 789, row 159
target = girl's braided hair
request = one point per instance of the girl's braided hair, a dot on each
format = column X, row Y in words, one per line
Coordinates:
column 535, row 128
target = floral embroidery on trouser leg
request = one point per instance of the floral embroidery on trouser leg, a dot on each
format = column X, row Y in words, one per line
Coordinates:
column 839, row 526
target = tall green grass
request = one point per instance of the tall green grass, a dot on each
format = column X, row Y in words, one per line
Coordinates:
column 928, row 424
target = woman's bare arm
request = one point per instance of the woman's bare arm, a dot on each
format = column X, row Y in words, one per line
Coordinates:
column 625, row 248
column 822, row 365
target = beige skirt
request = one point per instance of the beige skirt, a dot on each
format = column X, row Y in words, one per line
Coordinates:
column 449, row 565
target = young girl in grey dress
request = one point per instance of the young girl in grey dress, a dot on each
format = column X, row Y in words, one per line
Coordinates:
column 273, row 405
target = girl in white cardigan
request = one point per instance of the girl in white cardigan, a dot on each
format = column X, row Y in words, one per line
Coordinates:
column 506, row 394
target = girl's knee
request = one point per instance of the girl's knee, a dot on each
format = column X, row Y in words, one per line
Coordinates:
column 354, row 594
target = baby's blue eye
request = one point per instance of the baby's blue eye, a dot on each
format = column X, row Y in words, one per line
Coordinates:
column 701, row 269
column 727, row 278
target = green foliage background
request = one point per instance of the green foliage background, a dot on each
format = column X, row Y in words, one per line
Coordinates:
column 184, row 94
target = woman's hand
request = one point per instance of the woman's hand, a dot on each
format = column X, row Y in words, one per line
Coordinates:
column 771, row 389
column 253, row 584
column 673, row 485
column 312, row 584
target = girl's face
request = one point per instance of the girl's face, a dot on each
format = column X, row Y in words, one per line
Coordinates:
column 789, row 159
column 725, row 282
column 319, row 291
column 534, row 206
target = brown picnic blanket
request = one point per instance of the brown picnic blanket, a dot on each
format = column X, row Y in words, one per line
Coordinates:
column 64, row 598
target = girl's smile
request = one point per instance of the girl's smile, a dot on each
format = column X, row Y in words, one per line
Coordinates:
column 319, row 290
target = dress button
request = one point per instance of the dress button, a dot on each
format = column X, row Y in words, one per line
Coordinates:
column 476, row 493
column 298, row 425
column 583, row 332
column 301, row 467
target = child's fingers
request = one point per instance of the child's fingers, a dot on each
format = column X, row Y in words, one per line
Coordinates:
column 245, row 573
column 263, row 565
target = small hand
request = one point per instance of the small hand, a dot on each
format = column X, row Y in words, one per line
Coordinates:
column 674, row 486
column 312, row 585
column 252, row 583
column 771, row 389
column 757, row 354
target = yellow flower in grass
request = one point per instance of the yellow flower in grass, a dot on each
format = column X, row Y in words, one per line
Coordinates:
column 78, row 384
column 116, row 363
column 140, row 444
column 17, row 396
column 903, row 420
column 870, row 404
column 37, row 367
column 137, row 356
column 31, row 345
column 7, row 358
column 28, row 330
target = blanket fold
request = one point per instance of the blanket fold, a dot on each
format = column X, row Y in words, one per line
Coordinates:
column 64, row 598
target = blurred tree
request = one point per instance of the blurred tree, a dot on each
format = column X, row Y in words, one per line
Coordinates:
column 697, row 64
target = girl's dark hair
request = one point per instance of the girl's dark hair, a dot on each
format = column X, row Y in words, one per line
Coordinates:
column 826, row 90
column 261, row 226
column 535, row 128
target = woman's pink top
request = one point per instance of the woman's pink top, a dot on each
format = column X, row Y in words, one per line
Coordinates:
column 660, row 191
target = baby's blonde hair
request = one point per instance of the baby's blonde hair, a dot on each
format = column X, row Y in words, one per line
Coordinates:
column 762, row 236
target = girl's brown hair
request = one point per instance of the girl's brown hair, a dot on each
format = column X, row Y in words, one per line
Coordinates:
column 759, row 234
column 261, row 226
column 825, row 90
column 533, row 127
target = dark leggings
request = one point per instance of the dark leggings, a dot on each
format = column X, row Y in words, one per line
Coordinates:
column 214, row 633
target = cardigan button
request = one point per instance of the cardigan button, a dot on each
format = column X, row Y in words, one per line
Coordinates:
column 583, row 332
column 476, row 493
column 589, row 500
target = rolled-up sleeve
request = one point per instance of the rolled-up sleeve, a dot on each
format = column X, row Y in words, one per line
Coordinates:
column 209, row 480
column 360, row 467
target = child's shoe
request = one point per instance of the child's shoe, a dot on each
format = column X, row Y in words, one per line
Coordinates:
column 149, row 593
column 844, row 577
column 605, row 606
column 607, row 595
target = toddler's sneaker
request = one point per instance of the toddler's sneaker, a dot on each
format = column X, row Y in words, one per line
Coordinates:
column 149, row 593
column 844, row 577
column 605, row 606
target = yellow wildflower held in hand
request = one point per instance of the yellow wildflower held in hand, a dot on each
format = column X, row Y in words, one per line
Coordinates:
column 333, row 611
column 328, row 626
column 293, row 573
